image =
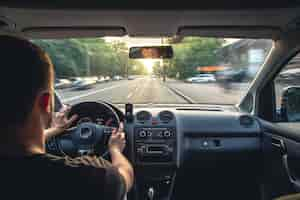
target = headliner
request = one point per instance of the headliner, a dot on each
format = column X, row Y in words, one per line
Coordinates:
column 152, row 4
column 269, row 19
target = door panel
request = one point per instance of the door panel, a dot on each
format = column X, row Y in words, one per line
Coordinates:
column 282, row 166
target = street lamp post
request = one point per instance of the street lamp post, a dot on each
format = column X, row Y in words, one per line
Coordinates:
column 162, row 64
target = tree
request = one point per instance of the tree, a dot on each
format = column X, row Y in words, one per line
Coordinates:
column 191, row 53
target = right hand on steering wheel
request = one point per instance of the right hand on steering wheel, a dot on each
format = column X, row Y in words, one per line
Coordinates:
column 117, row 139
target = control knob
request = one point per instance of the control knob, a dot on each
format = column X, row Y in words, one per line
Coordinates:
column 142, row 134
column 167, row 134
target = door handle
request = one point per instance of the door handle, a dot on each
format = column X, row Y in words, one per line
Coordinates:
column 279, row 143
column 293, row 179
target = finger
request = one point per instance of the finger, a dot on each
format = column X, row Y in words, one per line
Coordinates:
column 63, row 108
column 122, row 135
column 65, row 111
column 114, row 131
column 121, row 127
column 70, row 121
column 56, row 115
column 60, row 115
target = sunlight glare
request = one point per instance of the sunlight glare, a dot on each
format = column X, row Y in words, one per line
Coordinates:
column 149, row 65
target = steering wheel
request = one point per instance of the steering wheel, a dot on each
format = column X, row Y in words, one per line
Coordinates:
column 88, row 135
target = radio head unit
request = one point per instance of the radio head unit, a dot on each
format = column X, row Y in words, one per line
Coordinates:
column 155, row 145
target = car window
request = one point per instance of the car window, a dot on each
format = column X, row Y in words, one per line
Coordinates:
column 202, row 71
column 287, row 91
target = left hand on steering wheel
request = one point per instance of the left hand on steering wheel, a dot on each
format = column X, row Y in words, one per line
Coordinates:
column 60, row 122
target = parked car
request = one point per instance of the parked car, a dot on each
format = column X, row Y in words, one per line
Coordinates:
column 101, row 79
column 62, row 83
column 107, row 78
column 74, row 78
column 117, row 78
column 91, row 78
column 76, row 81
column 85, row 84
column 201, row 78
column 130, row 78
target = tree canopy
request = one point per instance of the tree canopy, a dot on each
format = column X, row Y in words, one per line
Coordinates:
column 192, row 52
column 95, row 57
column 89, row 57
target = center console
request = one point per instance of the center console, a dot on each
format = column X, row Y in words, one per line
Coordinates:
column 155, row 151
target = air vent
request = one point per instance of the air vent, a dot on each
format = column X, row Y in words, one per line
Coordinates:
column 143, row 116
column 166, row 116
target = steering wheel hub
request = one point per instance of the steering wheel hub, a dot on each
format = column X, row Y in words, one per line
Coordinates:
column 85, row 132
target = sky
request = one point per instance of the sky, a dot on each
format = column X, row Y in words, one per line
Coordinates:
column 135, row 41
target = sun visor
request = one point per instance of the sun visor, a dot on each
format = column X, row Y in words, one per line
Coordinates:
column 231, row 32
column 72, row 32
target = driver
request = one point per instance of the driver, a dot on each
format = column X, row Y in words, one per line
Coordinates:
column 27, row 171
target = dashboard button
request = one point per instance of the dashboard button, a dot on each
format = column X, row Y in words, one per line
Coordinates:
column 142, row 134
column 167, row 134
column 149, row 133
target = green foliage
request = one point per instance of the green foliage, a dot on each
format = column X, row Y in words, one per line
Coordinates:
column 192, row 52
column 95, row 57
column 71, row 57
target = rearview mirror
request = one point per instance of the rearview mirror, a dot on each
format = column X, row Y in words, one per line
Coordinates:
column 290, row 104
column 151, row 52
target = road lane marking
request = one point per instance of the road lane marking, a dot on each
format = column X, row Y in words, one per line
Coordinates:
column 90, row 93
column 180, row 94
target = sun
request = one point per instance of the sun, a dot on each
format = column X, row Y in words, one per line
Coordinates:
column 149, row 65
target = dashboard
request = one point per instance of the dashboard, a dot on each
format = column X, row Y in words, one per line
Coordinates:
column 180, row 136
column 176, row 136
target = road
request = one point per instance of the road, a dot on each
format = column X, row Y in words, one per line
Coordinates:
column 147, row 89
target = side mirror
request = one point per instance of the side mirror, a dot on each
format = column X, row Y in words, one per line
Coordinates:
column 290, row 104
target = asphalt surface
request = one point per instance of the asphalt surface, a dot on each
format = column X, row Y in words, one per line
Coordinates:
column 144, row 90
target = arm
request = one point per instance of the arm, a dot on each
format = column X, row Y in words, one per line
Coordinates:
column 50, row 132
column 124, row 167
column 116, row 146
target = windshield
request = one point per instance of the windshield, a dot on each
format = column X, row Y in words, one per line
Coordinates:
column 202, row 70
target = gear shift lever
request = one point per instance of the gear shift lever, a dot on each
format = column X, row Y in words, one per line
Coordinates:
column 150, row 193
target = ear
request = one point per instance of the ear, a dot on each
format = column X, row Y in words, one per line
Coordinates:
column 44, row 101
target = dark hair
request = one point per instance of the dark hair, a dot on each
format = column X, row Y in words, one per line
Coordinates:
column 25, row 69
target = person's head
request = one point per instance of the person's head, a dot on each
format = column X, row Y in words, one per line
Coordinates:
column 26, row 87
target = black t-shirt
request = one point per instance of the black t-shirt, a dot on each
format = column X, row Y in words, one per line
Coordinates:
column 46, row 176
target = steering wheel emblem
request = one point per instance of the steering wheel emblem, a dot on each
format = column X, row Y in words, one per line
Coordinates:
column 86, row 132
